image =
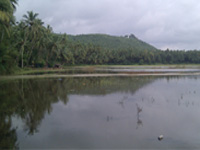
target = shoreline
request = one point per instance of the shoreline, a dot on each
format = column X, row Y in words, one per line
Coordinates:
column 106, row 71
column 132, row 74
column 105, row 67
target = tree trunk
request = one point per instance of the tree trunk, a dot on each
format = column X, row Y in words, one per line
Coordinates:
column 2, row 35
column 22, row 60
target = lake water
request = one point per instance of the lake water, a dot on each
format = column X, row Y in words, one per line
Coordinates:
column 100, row 113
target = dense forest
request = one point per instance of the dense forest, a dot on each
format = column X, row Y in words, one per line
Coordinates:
column 29, row 43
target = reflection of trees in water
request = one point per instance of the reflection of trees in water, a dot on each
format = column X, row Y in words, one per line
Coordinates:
column 31, row 99
column 8, row 136
column 107, row 85
column 39, row 95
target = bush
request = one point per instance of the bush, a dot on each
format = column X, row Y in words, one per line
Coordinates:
column 141, row 62
column 39, row 63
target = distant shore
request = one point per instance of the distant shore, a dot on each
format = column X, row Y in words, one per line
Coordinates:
column 106, row 71
column 93, row 67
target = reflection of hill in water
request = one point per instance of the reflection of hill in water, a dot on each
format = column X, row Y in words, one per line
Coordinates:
column 31, row 99
column 106, row 85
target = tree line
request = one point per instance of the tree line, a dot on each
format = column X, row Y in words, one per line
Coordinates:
column 29, row 43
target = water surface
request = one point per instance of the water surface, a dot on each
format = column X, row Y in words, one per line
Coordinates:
column 100, row 113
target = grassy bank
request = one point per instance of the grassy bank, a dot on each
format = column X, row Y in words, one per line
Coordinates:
column 93, row 67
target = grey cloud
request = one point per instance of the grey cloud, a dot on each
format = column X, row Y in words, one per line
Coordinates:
column 164, row 24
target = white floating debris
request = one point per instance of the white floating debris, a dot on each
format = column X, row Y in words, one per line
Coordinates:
column 160, row 137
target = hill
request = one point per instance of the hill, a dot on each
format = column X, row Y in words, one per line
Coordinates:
column 112, row 42
column 32, row 44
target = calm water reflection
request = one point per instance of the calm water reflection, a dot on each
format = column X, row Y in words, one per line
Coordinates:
column 100, row 112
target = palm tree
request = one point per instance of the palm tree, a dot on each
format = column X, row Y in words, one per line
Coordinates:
column 33, row 34
column 30, row 18
column 13, row 3
column 27, row 28
column 7, row 8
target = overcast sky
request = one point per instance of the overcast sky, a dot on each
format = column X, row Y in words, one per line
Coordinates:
column 173, row 24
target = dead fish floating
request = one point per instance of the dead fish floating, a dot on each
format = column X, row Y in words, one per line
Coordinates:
column 160, row 137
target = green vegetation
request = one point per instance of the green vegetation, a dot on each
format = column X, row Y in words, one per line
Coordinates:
column 29, row 43
column 112, row 42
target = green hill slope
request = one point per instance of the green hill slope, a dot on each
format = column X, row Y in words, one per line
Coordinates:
column 112, row 42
